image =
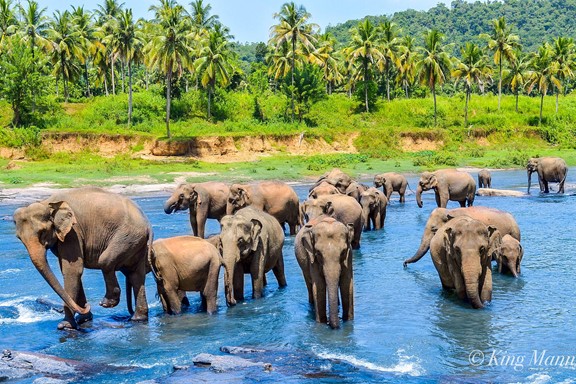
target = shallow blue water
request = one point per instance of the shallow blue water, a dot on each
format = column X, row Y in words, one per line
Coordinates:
column 406, row 328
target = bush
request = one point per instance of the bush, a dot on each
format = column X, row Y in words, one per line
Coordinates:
column 327, row 162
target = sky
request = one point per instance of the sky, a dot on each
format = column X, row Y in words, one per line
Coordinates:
column 250, row 20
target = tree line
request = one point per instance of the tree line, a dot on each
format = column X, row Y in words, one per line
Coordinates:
column 106, row 52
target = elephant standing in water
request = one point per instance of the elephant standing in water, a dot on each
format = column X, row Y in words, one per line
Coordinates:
column 549, row 169
column 484, row 179
column 337, row 178
column 462, row 252
column 250, row 242
column 94, row 229
column 448, row 184
column 204, row 200
column 274, row 197
column 324, row 253
column 373, row 204
column 392, row 182
column 510, row 256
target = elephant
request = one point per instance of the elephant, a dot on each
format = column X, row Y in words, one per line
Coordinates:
column 337, row 178
column 205, row 201
column 373, row 204
column 503, row 221
column 185, row 263
column 462, row 253
column 549, row 169
column 510, row 256
column 343, row 208
column 250, row 242
column 355, row 190
column 323, row 251
column 323, row 188
column 273, row 197
column 448, row 184
column 484, row 179
column 88, row 228
column 392, row 182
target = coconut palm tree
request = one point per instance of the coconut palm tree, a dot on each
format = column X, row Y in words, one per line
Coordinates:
column 200, row 15
column 33, row 27
column 472, row 70
column 543, row 74
column 170, row 47
column 107, row 14
column 434, row 66
column 86, row 31
column 365, row 50
column 293, row 27
column 516, row 75
column 407, row 57
column 503, row 42
column 563, row 57
column 8, row 22
column 327, row 58
column 390, row 43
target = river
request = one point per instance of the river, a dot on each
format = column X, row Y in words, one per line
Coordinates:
column 406, row 328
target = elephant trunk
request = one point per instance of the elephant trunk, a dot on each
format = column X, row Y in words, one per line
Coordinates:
column 529, row 180
column 229, row 209
column 366, row 217
column 229, row 268
column 38, row 256
column 513, row 268
column 332, row 283
column 424, row 247
column 473, row 294
column 419, row 196
column 170, row 206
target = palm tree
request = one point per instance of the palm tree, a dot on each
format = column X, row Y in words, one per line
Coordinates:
column 293, row 27
column 8, row 21
column 278, row 61
column 365, row 50
column 473, row 69
column 67, row 48
column 390, row 44
column 407, row 63
column 503, row 42
column 213, row 62
column 86, row 31
column 200, row 15
column 326, row 57
column 170, row 48
column 33, row 26
column 516, row 75
column 434, row 65
column 107, row 14
column 542, row 73
column 563, row 57
column 129, row 42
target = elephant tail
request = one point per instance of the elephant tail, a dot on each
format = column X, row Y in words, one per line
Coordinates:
column 408, row 185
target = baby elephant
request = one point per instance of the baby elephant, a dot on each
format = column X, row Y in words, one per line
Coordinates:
column 185, row 263
column 510, row 256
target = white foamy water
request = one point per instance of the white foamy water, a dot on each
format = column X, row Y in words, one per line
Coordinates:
column 9, row 271
column 26, row 314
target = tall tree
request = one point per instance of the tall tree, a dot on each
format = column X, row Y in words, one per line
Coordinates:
column 107, row 14
column 542, row 75
column 407, row 56
column 86, row 33
column 390, row 43
column 472, row 70
column 293, row 27
column 365, row 50
column 201, row 17
column 435, row 65
column 8, row 22
column 503, row 42
column 516, row 75
column 170, row 48
column 563, row 58
column 34, row 25
column 326, row 57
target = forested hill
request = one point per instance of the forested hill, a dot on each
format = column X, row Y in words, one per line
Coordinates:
column 535, row 21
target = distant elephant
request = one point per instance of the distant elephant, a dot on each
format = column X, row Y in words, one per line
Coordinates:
column 392, row 182
column 337, row 178
column 324, row 253
column 503, row 221
column 94, row 229
column 461, row 251
column 323, row 188
column 185, row 263
column 273, row 197
column 373, row 204
column 250, row 242
column 484, row 179
column 548, row 169
column 343, row 208
column 448, row 184
column 205, row 201
column 510, row 256
column 355, row 190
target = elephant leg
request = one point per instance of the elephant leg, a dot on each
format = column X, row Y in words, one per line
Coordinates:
column 194, row 222
column 112, row 296
column 137, row 279
column 257, row 281
column 203, row 305
column 183, row 298
column 238, row 283
column 81, row 301
column 486, row 293
column 163, row 298
column 319, row 293
column 439, row 200
column 292, row 228
column 462, row 203
column 201, row 217
column 347, row 293
column 402, row 193
column 279, row 272
column 264, row 280
column 173, row 299
column 72, row 273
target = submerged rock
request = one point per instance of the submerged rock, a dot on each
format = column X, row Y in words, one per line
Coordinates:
column 226, row 363
column 499, row 192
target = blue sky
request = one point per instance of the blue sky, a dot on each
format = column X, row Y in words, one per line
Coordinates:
column 250, row 20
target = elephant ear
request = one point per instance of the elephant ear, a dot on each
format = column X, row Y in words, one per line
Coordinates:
column 308, row 242
column 328, row 209
column 255, row 233
column 447, row 240
column 494, row 242
column 63, row 218
column 520, row 256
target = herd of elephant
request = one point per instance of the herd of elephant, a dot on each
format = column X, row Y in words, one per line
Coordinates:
column 92, row 228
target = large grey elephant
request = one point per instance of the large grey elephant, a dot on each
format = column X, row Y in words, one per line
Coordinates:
column 250, row 242
column 337, row 178
column 510, row 256
column 448, row 184
column 355, row 190
column 484, row 179
column 343, row 208
column 323, row 188
column 204, row 200
column 373, row 204
column 274, row 197
column 94, row 229
column 185, row 263
column 392, row 182
column 324, row 253
column 548, row 169
column 462, row 253
column 503, row 221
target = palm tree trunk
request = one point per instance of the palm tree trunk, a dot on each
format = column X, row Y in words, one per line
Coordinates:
column 516, row 101
column 146, row 77
column 62, row 63
column 113, row 83
column 466, row 107
column 500, row 82
column 106, row 84
column 292, row 76
column 366, row 84
column 387, row 80
column 129, row 93
column 168, row 95
column 86, row 78
column 434, row 96
column 541, row 105
column 209, row 102
column 123, row 76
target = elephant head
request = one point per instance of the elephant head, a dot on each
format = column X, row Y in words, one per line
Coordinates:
column 371, row 203
column 41, row 226
column 237, row 198
column 313, row 209
column 379, row 180
column 327, row 244
column 239, row 239
column 355, row 190
column 510, row 255
column 323, row 188
column 427, row 181
column 531, row 167
column 469, row 246
column 337, row 178
column 184, row 197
